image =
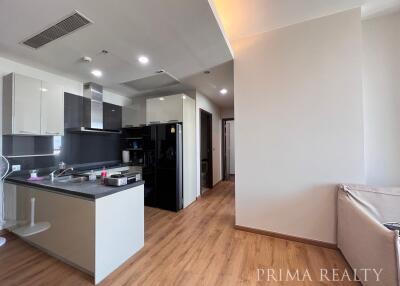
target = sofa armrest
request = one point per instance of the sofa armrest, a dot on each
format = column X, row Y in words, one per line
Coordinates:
column 366, row 243
column 382, row 203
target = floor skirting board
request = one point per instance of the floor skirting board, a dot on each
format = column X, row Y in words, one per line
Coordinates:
column 287, row 237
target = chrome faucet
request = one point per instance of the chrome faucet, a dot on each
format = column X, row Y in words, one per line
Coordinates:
column 53, row 174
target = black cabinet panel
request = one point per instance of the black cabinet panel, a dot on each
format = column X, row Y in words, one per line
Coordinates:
column 112, row 116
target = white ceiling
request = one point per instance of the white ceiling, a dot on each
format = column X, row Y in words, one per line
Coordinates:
column 246, row 18
column 219, row 77
column 180, row 36
column 211, row 83
column 374, row 8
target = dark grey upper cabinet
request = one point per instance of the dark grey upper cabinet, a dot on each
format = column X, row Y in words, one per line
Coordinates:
column 73, row 110
column 112, row 116
column 77, row 113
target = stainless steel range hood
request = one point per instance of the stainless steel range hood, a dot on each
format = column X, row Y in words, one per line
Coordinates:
column 93, row 110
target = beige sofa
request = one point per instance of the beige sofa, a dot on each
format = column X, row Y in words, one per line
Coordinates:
column 363, row 239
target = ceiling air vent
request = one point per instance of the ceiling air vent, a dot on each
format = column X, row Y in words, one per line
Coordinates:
column 62, row 28
column 161, row 79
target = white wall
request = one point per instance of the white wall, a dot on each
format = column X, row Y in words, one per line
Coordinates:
column 299, row 125
column 381, row 44
column 202, row 102
column 227, row 113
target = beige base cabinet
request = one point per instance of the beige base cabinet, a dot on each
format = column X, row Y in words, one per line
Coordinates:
column 32, row 106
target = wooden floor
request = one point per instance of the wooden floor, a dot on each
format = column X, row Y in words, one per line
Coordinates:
column 197, row 246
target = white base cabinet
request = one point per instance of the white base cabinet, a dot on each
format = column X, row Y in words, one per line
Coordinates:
column 119, row 230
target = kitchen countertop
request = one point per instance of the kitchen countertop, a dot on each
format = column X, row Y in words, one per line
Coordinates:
column 91, row 190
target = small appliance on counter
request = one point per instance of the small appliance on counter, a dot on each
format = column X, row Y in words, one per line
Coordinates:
column 122, row 179
column 125, row 156
column 116, row 180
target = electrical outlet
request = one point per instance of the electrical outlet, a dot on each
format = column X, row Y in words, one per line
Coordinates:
column 16, row 168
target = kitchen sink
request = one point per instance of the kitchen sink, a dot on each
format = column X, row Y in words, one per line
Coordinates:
column 70, row 179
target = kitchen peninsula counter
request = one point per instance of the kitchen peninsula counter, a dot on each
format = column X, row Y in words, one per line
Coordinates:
column 93, row 227
column 85, row 189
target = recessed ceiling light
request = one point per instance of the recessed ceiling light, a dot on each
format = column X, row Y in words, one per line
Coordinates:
column 143, row 60
column 161, row 98
column 44, row 89
column 97, row 73
column 223, row 91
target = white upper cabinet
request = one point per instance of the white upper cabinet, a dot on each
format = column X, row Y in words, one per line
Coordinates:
column 27, row 94
column 31, row 106
column 164, row 109
column 52, row 109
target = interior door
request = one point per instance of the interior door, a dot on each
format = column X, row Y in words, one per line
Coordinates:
column 206, row 150
column 227, row 149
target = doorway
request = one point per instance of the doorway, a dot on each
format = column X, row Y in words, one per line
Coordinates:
column 206, row 168
column 228, row 149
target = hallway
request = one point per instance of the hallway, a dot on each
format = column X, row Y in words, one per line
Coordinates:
column 197, row 246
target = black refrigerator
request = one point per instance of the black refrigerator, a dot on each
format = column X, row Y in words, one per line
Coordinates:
column 162, row 166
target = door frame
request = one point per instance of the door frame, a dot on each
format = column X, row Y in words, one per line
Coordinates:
column 223, row 147
column 210, row 153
